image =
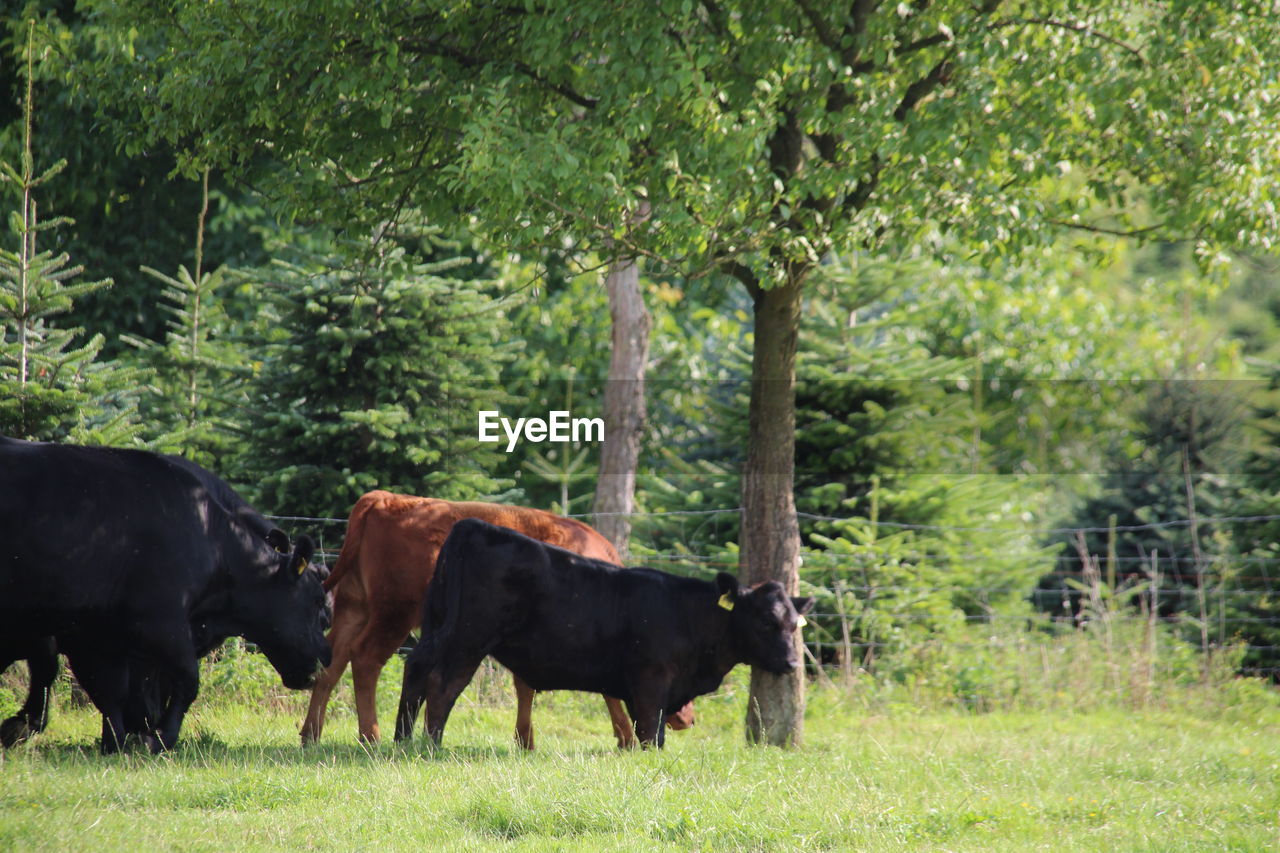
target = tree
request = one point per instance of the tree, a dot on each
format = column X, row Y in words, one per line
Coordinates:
column 370, row 353
column 1156, row 527
column 122, row 211
column 53, row 389
column 624, row 404
column 762, row 135
column 198, row 368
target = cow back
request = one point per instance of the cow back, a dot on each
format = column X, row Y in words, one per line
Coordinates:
column 567, row 533
column 393, row 541
column 79, row 535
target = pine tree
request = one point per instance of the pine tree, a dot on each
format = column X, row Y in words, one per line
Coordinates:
column 1163, row 491
column 377, row 363
column 199, row 368
column 51, row 386
column 1250, row 597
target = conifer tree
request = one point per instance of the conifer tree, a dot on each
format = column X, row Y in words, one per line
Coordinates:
column 1163, row 495
column 51, row 386
column 377, row 363
column 199, row 369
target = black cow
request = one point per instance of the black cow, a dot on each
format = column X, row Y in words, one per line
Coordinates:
column 138, row 563
column 564, row 622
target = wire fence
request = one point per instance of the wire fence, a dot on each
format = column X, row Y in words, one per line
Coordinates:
column 1236, row 594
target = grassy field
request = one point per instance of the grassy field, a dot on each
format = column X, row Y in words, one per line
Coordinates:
column 1200, row 771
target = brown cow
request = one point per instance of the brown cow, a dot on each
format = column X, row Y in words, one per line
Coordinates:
column 380, row 581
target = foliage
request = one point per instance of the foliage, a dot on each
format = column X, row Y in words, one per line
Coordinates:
column 53, row 387
column 1060, row 340
column 735, row 121
column 1156, row 517
column 124, row 211
column 562, row 318
column 199, row 370
column 372, row 354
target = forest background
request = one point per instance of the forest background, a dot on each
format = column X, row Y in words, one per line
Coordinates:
column 992, row 447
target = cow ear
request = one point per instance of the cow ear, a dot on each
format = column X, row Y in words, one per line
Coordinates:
column 278, row 540
column 803, row 605
column 728, row 586
column 302, row 554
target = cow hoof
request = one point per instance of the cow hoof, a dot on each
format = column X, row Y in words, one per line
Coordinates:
column 14, row 731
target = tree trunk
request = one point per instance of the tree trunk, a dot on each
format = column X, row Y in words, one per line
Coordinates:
column 770, row 534
column 624, row 406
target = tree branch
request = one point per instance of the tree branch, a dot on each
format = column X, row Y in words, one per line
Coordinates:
column 1112, row 232
column 743, row 273
column 861, row 194
column 1070, row 26
column 939, row 75
column 829, row 38
column 467, row 60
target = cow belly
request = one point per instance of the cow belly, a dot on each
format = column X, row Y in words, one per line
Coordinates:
column 550, row 671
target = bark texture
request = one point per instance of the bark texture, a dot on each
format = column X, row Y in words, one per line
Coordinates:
column 624, row 405
column 770, row 534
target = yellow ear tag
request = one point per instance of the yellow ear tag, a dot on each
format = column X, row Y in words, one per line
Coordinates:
column 302, row 566
column 801, row 622
column 726, row 601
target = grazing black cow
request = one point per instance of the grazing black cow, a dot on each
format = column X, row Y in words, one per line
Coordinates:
column 137, row 564
column 560, row 621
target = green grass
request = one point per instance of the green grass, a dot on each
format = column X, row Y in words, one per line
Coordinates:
column 1199, row 772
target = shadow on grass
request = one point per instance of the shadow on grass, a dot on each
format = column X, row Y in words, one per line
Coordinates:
column 203, row 749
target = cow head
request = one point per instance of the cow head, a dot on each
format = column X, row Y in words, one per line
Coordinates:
column 285, row 611
column 763, row 620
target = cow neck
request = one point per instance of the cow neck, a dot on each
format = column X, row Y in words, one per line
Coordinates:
column 214, row 600
column 720, row 656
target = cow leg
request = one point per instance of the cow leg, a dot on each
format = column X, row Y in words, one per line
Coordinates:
column 438, row 677
column 444, row 686
column 622, row 729
column 167, row 655
column 33, row 716
column 181, row 677
column 524, row 712
column 326, row 681
column 648, row 708
column 371, row 655
column 185, row 688
column 650, row 725
column 419, row 668
column 105, row 678
column 145, row 705
column 340, row 637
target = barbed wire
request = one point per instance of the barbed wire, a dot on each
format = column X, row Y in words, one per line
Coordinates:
column 895, row 525
column 1173, row 569
column 872, row 556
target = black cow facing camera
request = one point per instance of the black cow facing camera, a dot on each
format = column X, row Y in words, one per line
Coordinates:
column 564, row 622
column 136, row 564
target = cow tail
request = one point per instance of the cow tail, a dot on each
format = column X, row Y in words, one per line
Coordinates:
column 349, row 556
column 445, row 593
